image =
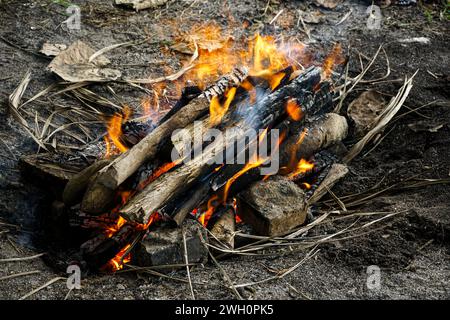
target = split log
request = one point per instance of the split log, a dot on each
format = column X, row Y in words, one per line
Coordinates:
column 100, row 192
column 174, row 183
column 320, row 133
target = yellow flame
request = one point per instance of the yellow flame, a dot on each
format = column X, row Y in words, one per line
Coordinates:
column 217, row 110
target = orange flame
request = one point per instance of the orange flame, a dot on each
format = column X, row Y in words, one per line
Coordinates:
column 118, row 261
column 306, row 185
column 335, row 57
column 112, row 230
column 159, row 172
column 293, row 110
column 204, row 218
column 115, row 131
column 216, row 110
column 303, row 166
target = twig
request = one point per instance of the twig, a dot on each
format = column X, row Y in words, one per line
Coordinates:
column 22, row 259
column 276, row 16
column 186, row 260
column 42, row 287
column 68, row 293
column 224, row 274
column 21, row 274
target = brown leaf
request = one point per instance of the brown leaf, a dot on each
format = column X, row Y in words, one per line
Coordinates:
column 329, row 4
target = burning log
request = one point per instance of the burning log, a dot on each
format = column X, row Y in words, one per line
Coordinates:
column 170, row 185
column 319, row 133
column 273, row 207
column 101, row 190
column 101, row 249
column 303, row 142
column 164, row 246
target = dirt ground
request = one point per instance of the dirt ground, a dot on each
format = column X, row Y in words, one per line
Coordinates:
column 412, row 249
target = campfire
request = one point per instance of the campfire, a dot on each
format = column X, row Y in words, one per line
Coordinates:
column 254, row 140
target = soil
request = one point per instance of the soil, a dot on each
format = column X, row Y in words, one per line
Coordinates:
column 412, row 249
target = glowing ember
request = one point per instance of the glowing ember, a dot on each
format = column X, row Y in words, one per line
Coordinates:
column 306, row 185
column 293, row 110
column 159, row 172
column 303, row 166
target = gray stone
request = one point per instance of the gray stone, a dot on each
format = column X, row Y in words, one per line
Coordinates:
column 273, row 207
column 165, row 246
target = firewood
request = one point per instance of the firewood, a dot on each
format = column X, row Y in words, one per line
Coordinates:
column 76, row 186
column 174, row 183
column 319, row 133
column 100, row 191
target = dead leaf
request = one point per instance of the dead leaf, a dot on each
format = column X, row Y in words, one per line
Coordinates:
column 141, row 4
column 311, row 17
column 73, row 65
column 329, row 4
column 52, row 49
column 364, row 110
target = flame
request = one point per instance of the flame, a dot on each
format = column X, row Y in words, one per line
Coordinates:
column 204, row 218
column 112, row 230
column 303, row 166
column 119, row 260
column 293, row 110
column 306, row 185
column 154, row 217
column 335, row 57
column 115, row 131
column 216, row 110
column 293, row 159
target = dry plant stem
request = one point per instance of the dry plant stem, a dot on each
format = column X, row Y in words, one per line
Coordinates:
column 308, row 256
column 42, row 287
column 186, row 260
column 383, row 119
column 101, row 190
column 22, row 259
column 21, row 274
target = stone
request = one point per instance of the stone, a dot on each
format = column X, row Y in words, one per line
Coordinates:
column 165, row 246
column 273, row 207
